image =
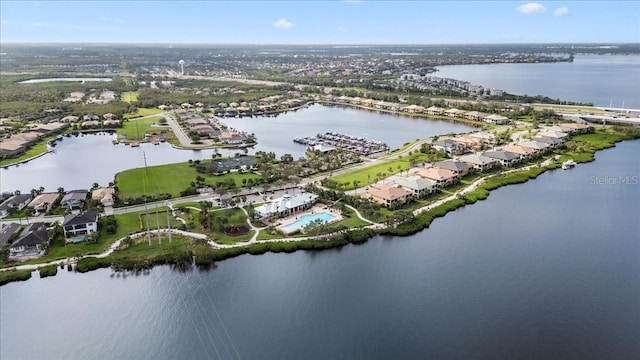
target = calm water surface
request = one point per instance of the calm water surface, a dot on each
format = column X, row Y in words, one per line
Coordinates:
column 549, row 269
column 79, row 162
column 601, row 80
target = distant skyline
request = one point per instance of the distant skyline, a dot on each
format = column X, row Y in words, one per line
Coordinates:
column 320, row 22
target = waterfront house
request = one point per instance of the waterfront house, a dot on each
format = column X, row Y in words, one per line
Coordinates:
column 496, row 119
column 538, row 146
column 31, row 243
column 76, row 225
column 387, row 195
column 575, row 128
column 105, row 196
column 475, row 115
column 286, row 205
column 43, row 202
column 524, row 152
column 74, row 199
column 488, row 138
column 434, row 110
column 554, row 134
column 91, row 117
column 552, row 142
column 417, row 185
column 8, row 232
column 459, row 167
column 506, row 158
column 479, row 162
column 14, row 203
column 90, row 124
column 442, row 177
column 450, row 146
column 455, row 113
column 413, row 109
column 231, row 137
column 11, row 148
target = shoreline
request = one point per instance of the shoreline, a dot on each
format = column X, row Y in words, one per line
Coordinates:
column 478, row 190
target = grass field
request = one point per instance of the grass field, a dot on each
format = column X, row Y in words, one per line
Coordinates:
column 368, row 175
column 143, row 112
column 129, row 96
column 135, row 129
column 170, row 179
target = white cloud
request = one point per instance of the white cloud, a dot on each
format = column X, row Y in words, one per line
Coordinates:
column 283, row 24
column 531, row 8
column 561, row 11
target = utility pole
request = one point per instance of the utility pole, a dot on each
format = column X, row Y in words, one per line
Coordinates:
column 169, row 222
column 144, row 189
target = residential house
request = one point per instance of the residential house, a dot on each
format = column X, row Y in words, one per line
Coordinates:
column 14, row 203
column 496, row 119
column 286, row 205
column 479, row 162
column 74, row 199
column 575, row 128
column 553, row 142
column 413, row 109
column 455, row 113
column 538, row 146
column 43, row 202
column 524, row 152
column 70, row 119
column 459, row 167
column 506, row 158
column 31, row 243
column 554, row 134
column 231, row 137
column 417, row 185
column 475, row 115
column 90, row 124
column 7, row 232
column 487, row 138
column 450, row 146
column 106, row 196
column 12, row 147
column 470, row 142
column 387, row 195
column 442, row 177
column 76, row 225
column 434, row 110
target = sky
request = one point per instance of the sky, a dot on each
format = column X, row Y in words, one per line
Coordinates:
column 320, row 22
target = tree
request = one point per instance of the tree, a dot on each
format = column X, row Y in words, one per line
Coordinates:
column 95, row 185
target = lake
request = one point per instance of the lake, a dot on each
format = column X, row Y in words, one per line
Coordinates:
column 549, row 269
column 78, row 162
column 602, row 80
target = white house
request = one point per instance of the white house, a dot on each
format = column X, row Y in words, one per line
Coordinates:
column 80, row 224
column 286, row 205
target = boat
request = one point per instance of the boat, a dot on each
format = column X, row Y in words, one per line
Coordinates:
column 135, row 144
column 568, row 164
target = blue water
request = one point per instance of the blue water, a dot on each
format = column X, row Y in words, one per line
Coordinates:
column 305, row 220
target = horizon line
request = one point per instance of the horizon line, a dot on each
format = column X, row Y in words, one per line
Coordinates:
column 308, row 44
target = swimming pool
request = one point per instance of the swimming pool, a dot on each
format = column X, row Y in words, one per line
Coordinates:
column 305, row 220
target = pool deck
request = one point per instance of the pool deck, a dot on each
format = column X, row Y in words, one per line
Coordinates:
column 282, row 223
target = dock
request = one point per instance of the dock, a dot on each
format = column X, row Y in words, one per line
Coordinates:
column 358, row 145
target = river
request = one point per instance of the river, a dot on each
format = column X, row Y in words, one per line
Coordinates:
column 78, row 162
column 545, row 269
column 603, row 80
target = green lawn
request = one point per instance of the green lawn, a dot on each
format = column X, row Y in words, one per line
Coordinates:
column 129, row 96
column 368, row 175
column 143, row 112
column 136, row 129
column 170, row 179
